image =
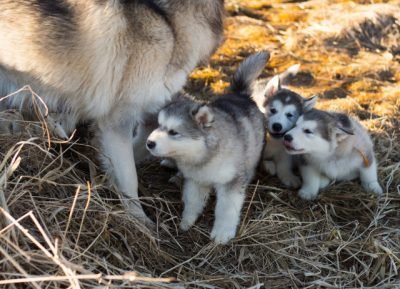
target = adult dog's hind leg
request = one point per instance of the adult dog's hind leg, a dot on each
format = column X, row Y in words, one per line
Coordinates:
column 116, row 143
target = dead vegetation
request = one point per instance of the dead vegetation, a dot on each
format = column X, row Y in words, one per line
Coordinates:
column 62, row 227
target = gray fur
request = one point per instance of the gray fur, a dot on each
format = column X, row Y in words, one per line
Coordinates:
column 217, row 145
column 248, row 71
column 110, row 61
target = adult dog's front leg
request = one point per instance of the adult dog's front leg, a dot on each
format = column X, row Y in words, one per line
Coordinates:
column 116, row 142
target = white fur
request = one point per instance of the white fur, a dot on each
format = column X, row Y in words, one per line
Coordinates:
column 278, row 161
column 195, row 197
column 174, row 147
column 272, row 86
column 280, row 116
column 227, row 213
column 330, row 161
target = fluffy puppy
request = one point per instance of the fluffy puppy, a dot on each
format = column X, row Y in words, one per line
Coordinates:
column 215, row 145
column 333, row 147
column 282, row 108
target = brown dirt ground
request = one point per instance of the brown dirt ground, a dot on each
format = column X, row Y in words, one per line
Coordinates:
column 346, row 239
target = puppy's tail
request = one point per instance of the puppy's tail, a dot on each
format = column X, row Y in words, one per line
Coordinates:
column 288, row 74
column 249, row 70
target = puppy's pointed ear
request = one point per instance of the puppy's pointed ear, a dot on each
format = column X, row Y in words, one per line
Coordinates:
column 343, row 126
column 272, row 87
column 309, row 103
column 346, row 130
column 342, row 133
column 203, row 116
column 289, row 73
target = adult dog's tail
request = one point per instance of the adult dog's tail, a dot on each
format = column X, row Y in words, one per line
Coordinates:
column 249, row 70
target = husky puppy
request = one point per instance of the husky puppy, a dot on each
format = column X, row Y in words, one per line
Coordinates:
column 106, row 61
column 333, row 147
column 282, row 108
column 215, row 145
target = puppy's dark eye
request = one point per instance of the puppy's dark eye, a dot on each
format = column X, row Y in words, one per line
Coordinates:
column 273, row 110
column 172, row 132
column 307, row 131
column 289, row 115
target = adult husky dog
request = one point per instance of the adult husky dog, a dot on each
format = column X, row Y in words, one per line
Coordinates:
column 109, row 61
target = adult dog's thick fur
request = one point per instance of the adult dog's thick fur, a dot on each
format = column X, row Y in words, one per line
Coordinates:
column 108, row 61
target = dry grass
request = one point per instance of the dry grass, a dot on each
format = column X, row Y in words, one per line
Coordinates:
column 62, row 227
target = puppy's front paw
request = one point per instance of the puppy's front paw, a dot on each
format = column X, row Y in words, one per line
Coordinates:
column 324, row 182
column 223, row 235
column 168, row 163
column 307, row 194
column 176, row 179
column 373, row 187
column 186, row 224
column 270, row 167
column 291, row 181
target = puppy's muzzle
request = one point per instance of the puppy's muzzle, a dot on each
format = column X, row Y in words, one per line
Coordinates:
column 277, row 127
column 150, row 144
column 288, row 138
column 287, row 142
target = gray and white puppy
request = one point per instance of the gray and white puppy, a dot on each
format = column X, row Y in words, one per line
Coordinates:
column 107, row 61
column 282, row 108
column 334, row 147
column 216, row 145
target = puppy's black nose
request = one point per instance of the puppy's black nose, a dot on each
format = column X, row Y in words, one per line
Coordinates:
column 151, row 144
column 288, row 137
column 277, row 127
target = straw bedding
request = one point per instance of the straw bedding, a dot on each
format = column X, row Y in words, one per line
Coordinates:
column 62, row 226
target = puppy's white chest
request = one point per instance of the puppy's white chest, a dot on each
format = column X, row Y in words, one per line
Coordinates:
column 274, row 148
column 217, row 171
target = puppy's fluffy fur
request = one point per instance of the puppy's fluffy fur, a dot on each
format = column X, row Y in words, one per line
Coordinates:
column 333, row 147
column 216, row 145
column 282, row 107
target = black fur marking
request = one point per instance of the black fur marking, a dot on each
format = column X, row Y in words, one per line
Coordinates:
column 58, row 19
column 235, row 106
column 153, row 6
column 55, row 8
column 342, row 119
column 287, row 97
column 239, row 85
column 323, row 119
